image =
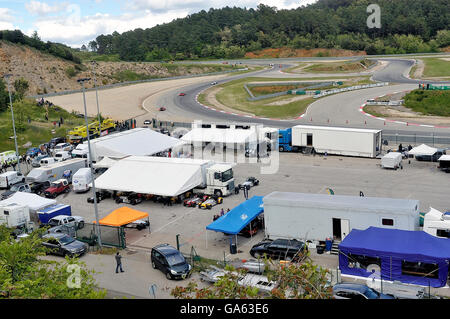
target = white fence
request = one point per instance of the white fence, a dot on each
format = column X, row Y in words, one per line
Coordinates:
column 350, row 88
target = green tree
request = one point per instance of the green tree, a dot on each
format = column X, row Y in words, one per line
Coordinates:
column 4, row 96
column 21, row 86
column 295, row 280
column 25, row 274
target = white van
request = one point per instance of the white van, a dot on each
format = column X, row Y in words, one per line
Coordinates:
column 10, row 178
column 8, row 157
column 47, row 161
column 392, row 160
column 81, row 180
column 62, row 156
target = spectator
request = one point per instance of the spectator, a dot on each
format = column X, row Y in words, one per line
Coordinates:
column 222, row 212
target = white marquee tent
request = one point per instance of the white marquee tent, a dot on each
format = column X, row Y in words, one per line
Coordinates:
column 33, row 201
column 423, row 150
column 224, row 136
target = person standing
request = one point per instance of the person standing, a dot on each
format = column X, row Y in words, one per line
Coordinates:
column 222, row 212
column 118, row 262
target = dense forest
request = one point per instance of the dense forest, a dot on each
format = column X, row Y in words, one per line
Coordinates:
column 56, row 49
column 407, row 26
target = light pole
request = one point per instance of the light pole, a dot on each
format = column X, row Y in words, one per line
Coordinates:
column 7, row 77
column 94, row 64
column 97, row 225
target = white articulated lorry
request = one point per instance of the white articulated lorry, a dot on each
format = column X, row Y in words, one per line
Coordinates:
column 165, row 176
column 337, row 140
column 56, row 171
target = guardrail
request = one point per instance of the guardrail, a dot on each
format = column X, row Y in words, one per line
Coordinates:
column 390, row 103
column 109, row 86
column 350, row 88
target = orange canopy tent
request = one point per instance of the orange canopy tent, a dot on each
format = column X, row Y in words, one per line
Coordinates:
column 122, row 216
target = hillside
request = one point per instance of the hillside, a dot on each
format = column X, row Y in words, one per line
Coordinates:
column 46, row 73
column 408, row 26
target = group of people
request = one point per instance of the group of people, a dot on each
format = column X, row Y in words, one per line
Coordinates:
column 5, row 165
column 43, row 102
column 222, row 212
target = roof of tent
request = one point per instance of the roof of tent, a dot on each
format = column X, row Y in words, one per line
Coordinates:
column 33, row 201
column 137, row 142
column 215, row 135
column 444, row 158
column 423, row 150
column 122, row 216
column 106, row 162
column 395, row 242
column 153, row 175
column 239, row 217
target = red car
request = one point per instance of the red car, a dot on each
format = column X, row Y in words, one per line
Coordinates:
column 57, row 187
column 182, row 94
column 194, row 201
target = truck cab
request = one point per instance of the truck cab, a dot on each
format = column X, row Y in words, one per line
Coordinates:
column 219, row 180
column 285, row 141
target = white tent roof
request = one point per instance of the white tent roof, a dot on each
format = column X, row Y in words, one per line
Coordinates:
column 106, row 162
column 135, row 142
column 153, row 175
column 393, row 155
column 444, row 158
column 423, row 150
column 215, row 135
column 33, row 201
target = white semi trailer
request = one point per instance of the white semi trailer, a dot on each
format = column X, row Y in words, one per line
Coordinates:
column 56, row 171
column 337, row 140
column 14, row 215
column 318, row 216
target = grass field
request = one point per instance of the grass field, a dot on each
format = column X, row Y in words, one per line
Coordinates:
column 340, row 67
column 36, row 132
column 436, row 67
column 429, row 102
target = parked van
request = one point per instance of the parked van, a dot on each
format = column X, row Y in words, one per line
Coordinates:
column 10, row 178
column 47, row 161
column 36, row 162
column 392, row 160
column 62, row 156
column 81, row 151
column 81, row 180
column 8, row 157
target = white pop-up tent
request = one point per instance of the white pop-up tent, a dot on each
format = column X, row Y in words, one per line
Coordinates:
column 33, row 201
column 135, row 142
column 154, row 175
column 422, row 150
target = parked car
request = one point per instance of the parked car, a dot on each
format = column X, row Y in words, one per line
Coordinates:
column 100, row 196
column 147, row 122
column 210, row 202
column 64, row 245
column 194, row 201
column 279, row 249
column 63, row 147
column 170, row 261
column 129, row 198
column 357, row 291
column 36, row 162
column 65, row 220
column 56, row 188
column 138, row 224
column 55, row 141
column 62, row 156
column 39, row 187
column 20, row 187
column 33, row 151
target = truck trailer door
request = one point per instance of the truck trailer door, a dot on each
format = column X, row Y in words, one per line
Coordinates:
column 345, row 228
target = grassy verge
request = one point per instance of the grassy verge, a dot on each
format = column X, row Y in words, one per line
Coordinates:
column 340, row 67
column 436, row 67
column 429, row 102
column 39, row 130
column 374, row 110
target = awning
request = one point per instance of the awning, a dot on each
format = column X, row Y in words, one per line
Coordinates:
column 423, row 150
column 153, row 175
column 239, row 217
column 444, row 158
column 137, row 142
column 33, row 201
column 122, row 216
column 393, row 247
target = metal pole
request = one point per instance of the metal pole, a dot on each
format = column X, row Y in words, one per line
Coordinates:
column 93, row 63
column 7, row 76
column 97, row 225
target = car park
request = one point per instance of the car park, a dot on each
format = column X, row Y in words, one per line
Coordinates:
column 211, row 202
column 357, row 292
column 64, row 245
column 170, row 261
column 279, row 249
column 56, row 188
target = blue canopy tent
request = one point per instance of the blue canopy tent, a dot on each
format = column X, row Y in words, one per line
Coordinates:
column 407, row 256
column 239, row 217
